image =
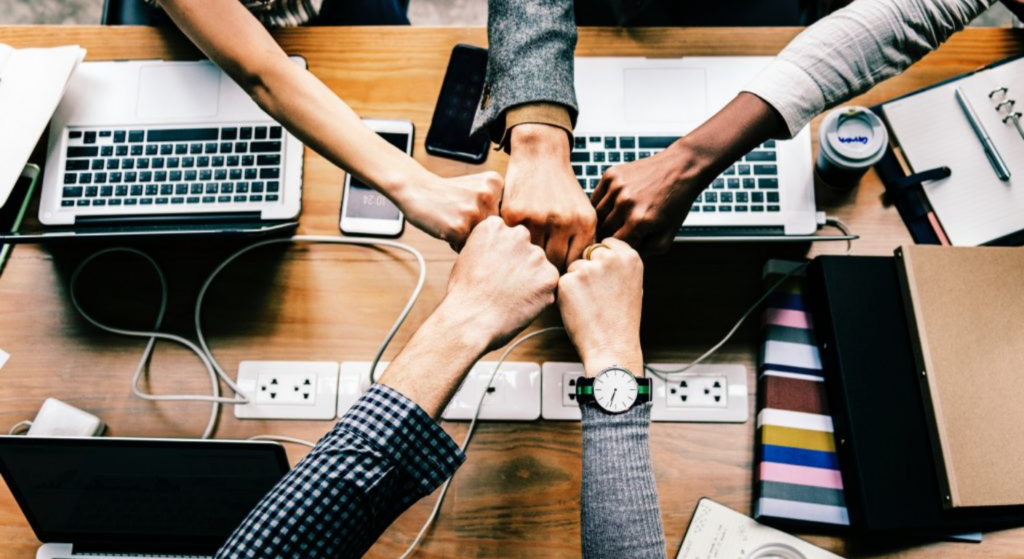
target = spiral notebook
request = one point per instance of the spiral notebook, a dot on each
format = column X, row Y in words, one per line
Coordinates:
column 973, row 205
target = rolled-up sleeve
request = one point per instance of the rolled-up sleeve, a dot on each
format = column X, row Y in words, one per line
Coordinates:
column 382, row 456
column 850, row 51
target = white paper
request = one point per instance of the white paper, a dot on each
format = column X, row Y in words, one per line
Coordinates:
column 973, row 205
column 32, row 82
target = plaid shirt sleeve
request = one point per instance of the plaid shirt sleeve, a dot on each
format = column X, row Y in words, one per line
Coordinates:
column 384, row 455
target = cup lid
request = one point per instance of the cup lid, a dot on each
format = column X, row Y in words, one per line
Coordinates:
column 854, row 135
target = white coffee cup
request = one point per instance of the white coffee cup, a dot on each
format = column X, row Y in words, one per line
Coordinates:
column 850, row 140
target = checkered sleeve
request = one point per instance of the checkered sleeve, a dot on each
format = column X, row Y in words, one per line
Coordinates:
column 382, row 456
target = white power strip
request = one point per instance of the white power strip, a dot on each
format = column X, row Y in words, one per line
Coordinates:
column 705, row 393
column 515, row 394
column 520, row 391
column 288, row 389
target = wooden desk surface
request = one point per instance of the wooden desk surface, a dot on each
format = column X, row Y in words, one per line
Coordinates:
column 518, row 495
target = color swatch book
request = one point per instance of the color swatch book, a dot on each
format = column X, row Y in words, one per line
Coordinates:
column 797, row 477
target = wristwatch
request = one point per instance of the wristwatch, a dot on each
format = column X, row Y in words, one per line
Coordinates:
column 614, row 390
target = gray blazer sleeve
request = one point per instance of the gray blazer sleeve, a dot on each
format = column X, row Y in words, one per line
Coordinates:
column 620, row 517
column 530, row 59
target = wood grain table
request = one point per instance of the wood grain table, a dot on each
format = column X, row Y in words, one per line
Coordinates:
column 518, row 495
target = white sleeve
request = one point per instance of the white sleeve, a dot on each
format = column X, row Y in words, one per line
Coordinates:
column 855, row 48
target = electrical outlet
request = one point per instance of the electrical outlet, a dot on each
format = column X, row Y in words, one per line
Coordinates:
column 698, row 391
column 354, row 381
column 705, row 393
column 288, row 389
column 558, row 391
column 514, row 394
column 688, row 397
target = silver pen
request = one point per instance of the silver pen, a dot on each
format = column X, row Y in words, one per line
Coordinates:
column 1002, row 171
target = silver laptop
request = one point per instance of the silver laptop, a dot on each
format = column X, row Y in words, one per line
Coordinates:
column 166, row 141
column 90, row 498
column 631, row 108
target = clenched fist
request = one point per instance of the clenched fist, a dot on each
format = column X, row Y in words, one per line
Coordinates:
column 600, row 301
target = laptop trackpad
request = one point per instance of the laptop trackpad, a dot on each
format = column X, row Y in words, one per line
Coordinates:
column 676, row 95
column 176, row 91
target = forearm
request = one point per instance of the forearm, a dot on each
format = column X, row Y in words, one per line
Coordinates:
column 619, row 511
column 226, row 32
column 850, row 51
column 431, row 367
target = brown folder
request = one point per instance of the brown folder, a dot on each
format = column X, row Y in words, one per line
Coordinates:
column 965, row 307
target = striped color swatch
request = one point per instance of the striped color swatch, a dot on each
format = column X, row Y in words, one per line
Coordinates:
column 797, row 475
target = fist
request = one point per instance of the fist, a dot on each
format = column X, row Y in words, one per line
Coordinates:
column 449, row 208
column 542, row 194
column 600, row 301
column 500, row 282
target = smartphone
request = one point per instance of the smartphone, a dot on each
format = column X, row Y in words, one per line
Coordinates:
column 456, row 106
column 13, row 210
column 364, row 211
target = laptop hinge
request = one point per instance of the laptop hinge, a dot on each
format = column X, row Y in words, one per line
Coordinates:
column 730, row 231
column 168, row 218
column 119, row 549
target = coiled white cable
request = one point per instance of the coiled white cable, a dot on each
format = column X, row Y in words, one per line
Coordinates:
column 202, row 351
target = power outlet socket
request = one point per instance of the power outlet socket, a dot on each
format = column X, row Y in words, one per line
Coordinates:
column 558, row 391
column 288, row 389
column 514, row 395
column 705, row 393
column 354, row 381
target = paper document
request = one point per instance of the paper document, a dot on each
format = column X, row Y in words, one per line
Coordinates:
column 32, row 82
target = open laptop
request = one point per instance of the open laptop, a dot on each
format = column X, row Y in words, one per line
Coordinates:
column 631, row 108
column 89, row 498
column 152, row 142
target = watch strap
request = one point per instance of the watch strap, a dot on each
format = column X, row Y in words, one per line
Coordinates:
column 585, row 390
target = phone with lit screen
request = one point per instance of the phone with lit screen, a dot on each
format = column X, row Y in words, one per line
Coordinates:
column 364, row 211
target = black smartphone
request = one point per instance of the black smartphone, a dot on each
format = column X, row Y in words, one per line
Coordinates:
column 456, row 106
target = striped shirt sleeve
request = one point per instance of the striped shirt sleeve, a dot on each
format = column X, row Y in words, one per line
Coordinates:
column 384, row 455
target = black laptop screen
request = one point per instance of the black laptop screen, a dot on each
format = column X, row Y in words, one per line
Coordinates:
column 127, row 491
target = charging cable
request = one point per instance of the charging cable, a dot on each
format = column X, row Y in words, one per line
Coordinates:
column 202, row 351
column 663, row 373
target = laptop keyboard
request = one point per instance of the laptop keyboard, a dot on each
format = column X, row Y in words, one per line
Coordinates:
column 750, row 185
column 135, row 168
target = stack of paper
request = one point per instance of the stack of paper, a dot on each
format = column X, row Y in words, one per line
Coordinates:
column 32, row 82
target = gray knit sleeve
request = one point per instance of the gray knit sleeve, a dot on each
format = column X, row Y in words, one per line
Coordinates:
column 620, row 516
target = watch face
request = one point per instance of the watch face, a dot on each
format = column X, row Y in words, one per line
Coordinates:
column 615, row 390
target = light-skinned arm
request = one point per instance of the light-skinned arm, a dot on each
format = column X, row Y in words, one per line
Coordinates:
column 387, row 451
column 224, row 30
column 600, row 300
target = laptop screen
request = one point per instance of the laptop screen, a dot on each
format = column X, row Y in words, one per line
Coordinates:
column 146, row 494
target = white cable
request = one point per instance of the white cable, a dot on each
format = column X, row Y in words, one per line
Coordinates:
column 282, row 439
column 18, row 426
column 153, row 336
column 203, row 351
column 469, row 435
column 661, row 373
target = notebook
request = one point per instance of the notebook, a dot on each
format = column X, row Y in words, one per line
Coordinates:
column 885, row 453
column 973, row 206
column 32, row 82
column 797, row 479
column 965, row 307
